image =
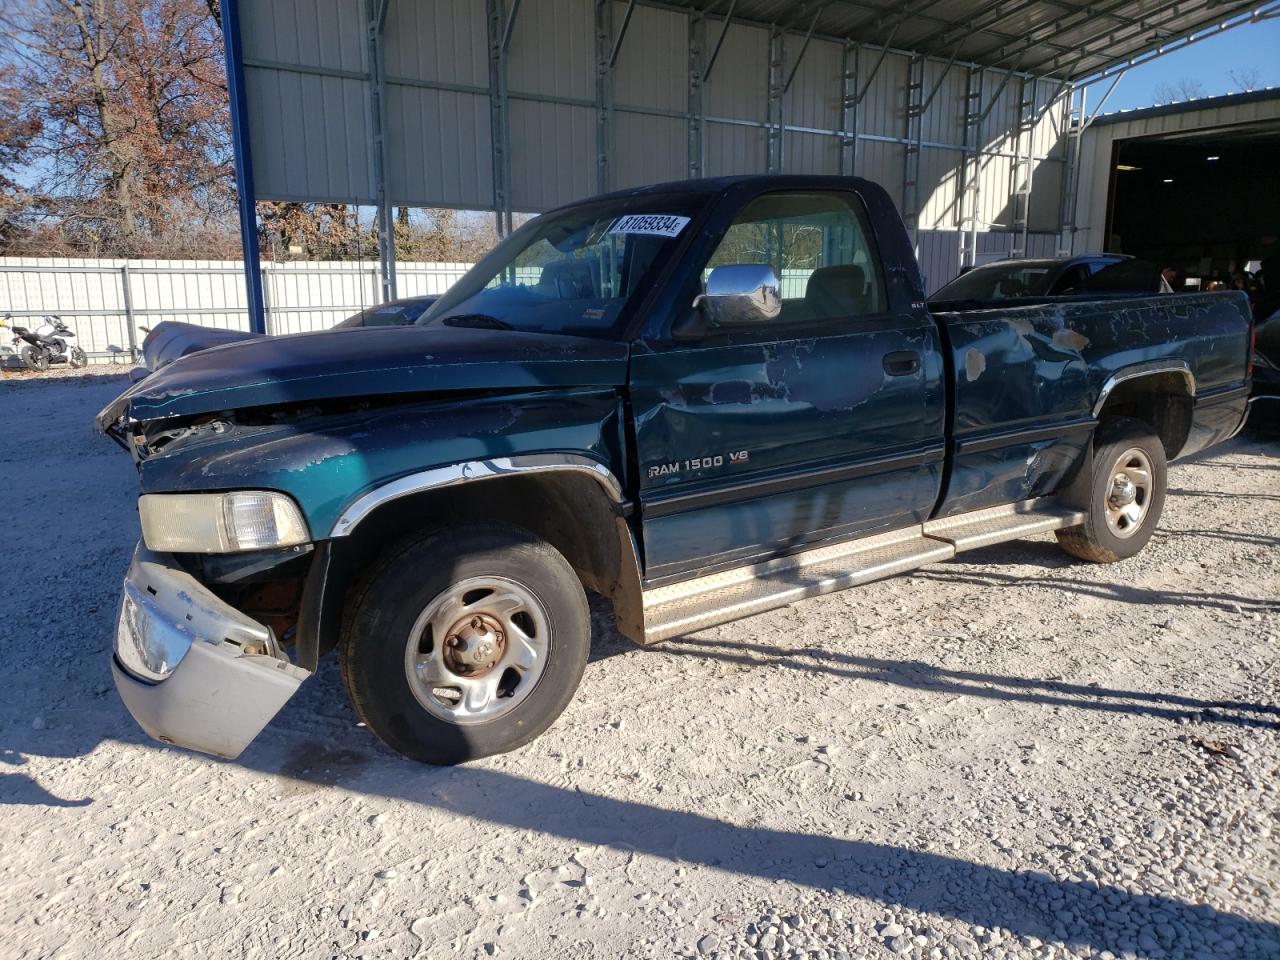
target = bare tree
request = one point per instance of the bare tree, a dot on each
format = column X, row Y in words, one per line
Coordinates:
column 1245, row 79
column 1184, row 88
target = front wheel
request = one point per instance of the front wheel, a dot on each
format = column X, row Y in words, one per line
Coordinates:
column 1127, row 494
column 465, row 643
column 34, row 358
column 77, row 358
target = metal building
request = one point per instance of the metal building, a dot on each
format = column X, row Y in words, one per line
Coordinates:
column 968, row 112
column 1195, row 185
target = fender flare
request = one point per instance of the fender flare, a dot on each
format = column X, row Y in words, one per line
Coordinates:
column 1147, row 369
column 472, row 471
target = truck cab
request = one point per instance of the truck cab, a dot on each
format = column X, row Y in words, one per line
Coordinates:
column 698, row 400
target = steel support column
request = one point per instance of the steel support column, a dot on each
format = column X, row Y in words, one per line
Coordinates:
column 850, row 59
column 911, row 150
column 1071, row 171
column 773, row 114
column 697, row 44
column 501, row 25
column 375, row 20
column 604, row 91
column 1023, row 164
column 233, row 52
column 969, row 189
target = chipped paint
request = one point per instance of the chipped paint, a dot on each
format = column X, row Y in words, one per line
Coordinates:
column 975, row 363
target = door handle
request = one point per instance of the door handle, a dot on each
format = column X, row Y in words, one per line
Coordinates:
column 901, row 363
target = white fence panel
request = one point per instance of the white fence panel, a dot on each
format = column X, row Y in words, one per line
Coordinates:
column 111, row 303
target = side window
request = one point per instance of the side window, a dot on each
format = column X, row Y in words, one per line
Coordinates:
column 819, row 245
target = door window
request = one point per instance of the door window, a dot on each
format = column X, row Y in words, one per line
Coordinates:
column 820, row 247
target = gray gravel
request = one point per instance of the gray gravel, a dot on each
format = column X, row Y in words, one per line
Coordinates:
column 1012, row 755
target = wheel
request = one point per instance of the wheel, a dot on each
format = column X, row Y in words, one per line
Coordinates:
column 34, row 358
column 1129, row 476
column 77, row 358
column 464, row 643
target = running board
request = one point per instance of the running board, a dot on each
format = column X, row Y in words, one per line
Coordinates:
column 981, row 528
column 691, row 605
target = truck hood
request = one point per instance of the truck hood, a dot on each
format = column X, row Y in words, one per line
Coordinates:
column 354, row 363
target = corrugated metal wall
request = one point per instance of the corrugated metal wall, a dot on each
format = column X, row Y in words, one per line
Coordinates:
column 307, row 77
column 1099, row 140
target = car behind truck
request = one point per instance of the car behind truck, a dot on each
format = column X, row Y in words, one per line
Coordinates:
column 700, row 400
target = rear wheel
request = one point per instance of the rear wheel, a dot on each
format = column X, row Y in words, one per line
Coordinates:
column 34, row 358
column 1127, row 494
column 465, row 643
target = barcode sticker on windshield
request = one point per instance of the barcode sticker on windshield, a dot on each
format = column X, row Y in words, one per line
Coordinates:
column 653, row 224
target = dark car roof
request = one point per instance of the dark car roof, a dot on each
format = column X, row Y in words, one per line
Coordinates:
column 1056, row 261
column 711, row 186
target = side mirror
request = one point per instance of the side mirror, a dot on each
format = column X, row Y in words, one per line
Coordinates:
column 742, row 294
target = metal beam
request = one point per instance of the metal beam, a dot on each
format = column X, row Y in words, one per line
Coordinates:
column 970, row 187
column 850, row 57
column 604, row 91
column 773, row 109
column 911, row 153
column 697, row 80
column 715, row 52
column 622, row 33
column 500, row 28
column 795, row 65
column 1023, row 164
column 233, row 53
column 376, row 12
column 1167, row 45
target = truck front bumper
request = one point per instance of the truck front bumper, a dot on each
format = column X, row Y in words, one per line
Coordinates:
column 193, row 670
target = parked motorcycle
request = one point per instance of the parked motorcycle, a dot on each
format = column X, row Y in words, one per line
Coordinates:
column 47, row 344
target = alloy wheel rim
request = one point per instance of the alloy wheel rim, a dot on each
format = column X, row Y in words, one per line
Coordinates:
column 477, row 650
column 1129, row 493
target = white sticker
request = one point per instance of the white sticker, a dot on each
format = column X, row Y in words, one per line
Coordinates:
column 652, row 224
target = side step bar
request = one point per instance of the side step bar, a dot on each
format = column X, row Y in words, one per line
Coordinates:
column 697, row 604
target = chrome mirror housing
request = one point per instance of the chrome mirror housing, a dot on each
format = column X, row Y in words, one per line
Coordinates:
column 742, row 294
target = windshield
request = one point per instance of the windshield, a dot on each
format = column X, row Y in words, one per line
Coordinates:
column 576, row 271
column 397, row 313
column 1000, row 281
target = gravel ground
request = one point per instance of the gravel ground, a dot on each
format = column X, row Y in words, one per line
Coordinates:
column 1012, row 755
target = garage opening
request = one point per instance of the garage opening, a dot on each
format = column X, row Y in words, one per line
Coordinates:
column 1205, row 203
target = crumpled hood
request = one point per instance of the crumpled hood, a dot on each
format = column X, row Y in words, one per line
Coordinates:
column 378, row 361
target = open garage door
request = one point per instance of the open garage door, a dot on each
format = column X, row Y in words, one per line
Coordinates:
column 1206, row 203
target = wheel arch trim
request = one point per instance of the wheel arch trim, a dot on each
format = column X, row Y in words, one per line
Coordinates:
column 1140, row 370
column 472, row 471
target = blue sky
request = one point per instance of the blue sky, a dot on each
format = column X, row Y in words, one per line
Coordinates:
column 1256, row 45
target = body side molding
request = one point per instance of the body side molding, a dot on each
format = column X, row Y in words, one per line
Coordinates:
column 474, row 470
column 1147, row 369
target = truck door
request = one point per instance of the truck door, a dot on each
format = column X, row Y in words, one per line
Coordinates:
column 824, row 422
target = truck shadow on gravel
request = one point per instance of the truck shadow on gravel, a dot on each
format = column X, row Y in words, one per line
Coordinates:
column 915, row 675
column 1047, row 555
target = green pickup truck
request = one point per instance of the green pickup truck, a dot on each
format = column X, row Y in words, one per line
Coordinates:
column 698, row 400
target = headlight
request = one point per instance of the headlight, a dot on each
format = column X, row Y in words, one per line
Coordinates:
column 220, row 522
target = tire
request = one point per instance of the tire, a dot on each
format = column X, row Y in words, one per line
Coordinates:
column 1115, row 530
column 35, row 359
column 77, row 358
column 515, row 623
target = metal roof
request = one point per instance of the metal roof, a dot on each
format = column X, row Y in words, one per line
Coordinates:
column 1067, row 39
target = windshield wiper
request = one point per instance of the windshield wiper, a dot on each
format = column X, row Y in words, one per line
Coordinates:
column 480, row 321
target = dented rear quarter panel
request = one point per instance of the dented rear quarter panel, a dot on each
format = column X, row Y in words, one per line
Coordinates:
column 327, row 461
column 1018, row 372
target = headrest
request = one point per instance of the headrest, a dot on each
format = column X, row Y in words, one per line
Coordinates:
column 571, row 278
column 837, row 290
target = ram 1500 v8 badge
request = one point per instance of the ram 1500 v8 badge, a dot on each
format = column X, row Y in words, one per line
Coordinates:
column 699, row 400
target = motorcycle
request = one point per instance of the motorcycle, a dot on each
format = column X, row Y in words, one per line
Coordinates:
column 47, row 344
